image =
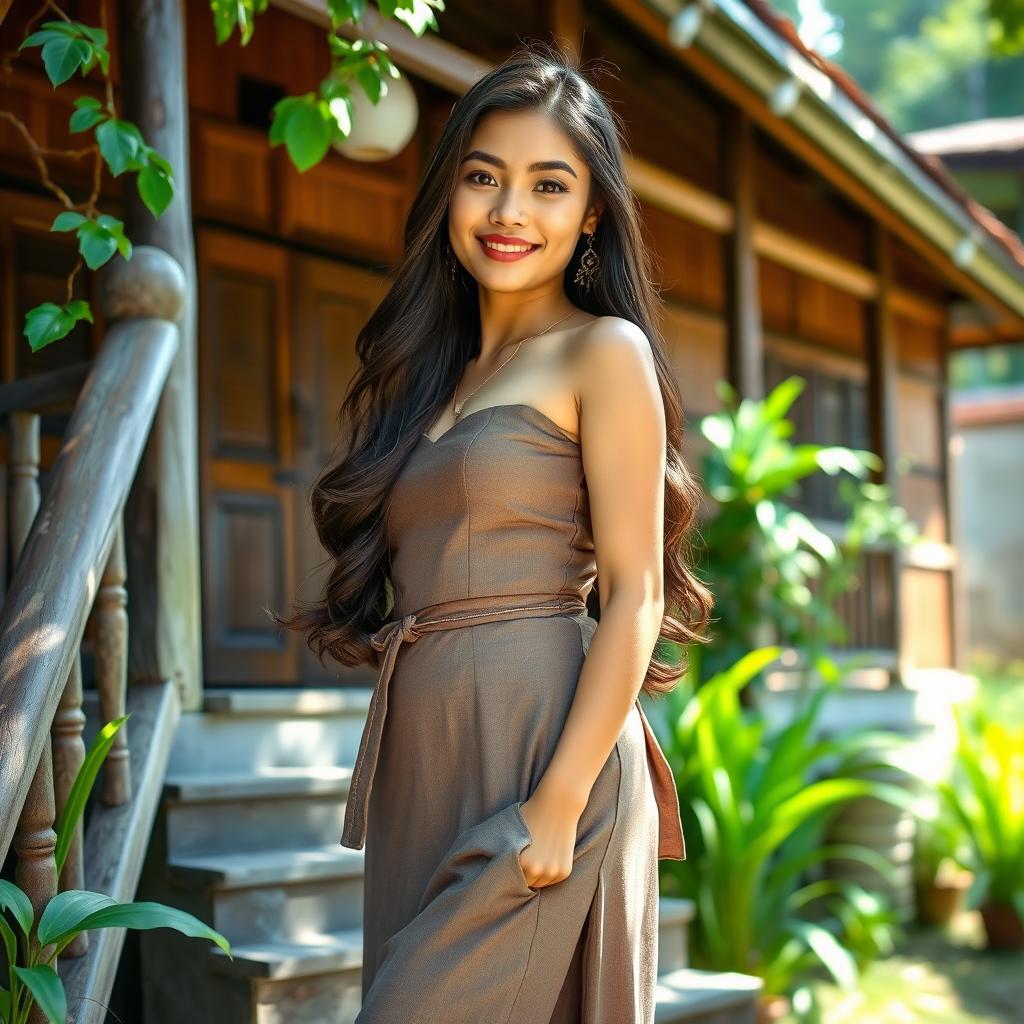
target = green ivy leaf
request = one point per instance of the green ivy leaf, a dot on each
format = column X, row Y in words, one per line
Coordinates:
column 373, row 85
column 119, row 142
column 417, row 15
column 68, row 46
column 155, row 189
column 69, row 220
column 341, row 11
column 95, row 244
column 49, row 322
column 88, row 112
column 303, row 123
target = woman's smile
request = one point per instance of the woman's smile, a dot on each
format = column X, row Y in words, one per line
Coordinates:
column 505, row 252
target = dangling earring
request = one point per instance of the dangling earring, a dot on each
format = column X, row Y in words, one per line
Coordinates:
column 586, row 273
column 453, row 263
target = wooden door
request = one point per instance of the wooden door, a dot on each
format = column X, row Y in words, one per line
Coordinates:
column 332, row 301
column 277, row 351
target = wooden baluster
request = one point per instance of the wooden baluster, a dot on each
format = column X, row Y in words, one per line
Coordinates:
column 34, row 839
column 24, row 477
column 68, row 755
column 111, row 639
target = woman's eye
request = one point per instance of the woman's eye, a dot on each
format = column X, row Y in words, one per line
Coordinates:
column 473, row 177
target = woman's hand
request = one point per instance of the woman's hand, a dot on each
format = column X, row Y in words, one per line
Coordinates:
column 552, row 823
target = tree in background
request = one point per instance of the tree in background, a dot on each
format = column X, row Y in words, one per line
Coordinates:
column 924, row 62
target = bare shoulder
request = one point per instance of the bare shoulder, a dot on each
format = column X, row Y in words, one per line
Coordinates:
column 609, row 346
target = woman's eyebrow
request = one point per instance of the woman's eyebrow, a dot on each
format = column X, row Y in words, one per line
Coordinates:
column 539, row 165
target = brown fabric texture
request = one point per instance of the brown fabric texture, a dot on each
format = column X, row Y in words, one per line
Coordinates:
column 492, row 559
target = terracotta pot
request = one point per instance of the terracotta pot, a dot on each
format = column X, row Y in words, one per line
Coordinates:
column 939, row 902
column 771, row 1009
column 1003, row 926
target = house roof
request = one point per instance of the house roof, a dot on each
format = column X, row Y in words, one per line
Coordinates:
column 986, row 407
column 984, row 135
column 930, row 163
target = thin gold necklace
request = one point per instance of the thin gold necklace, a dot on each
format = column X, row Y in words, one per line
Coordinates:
column 457, row 406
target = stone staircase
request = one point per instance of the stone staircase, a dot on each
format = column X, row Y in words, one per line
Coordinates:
column 247, row 840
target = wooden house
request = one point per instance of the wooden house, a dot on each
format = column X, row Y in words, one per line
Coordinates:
column 170, row 445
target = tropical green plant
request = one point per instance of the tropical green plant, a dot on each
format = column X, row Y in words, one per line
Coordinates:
column 763, row 558
column 755, row 805
column 941, row 843
column 32, row 978
column 986, row 793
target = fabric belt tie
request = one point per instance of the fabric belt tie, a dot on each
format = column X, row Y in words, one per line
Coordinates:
column 476, row 611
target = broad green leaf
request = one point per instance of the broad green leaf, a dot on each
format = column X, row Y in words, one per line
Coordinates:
column 78, row 796
column 836, row 959
column 66, row 911
column 17, row 902
column 47, row 990
column 145, row 916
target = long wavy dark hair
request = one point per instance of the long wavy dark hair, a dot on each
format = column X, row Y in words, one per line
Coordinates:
column 414, row 347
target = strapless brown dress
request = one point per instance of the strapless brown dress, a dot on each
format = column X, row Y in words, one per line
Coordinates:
column 489, row 531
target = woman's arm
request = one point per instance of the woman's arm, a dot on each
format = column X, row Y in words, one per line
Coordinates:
column 622, row 433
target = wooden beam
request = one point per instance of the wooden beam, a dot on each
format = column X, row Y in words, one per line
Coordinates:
column 814, row 261
column 676, row 195
column 745, row 344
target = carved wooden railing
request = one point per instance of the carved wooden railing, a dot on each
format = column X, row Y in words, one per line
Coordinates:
column 69, row 550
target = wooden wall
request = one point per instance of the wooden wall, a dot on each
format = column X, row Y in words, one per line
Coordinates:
column 350, row 215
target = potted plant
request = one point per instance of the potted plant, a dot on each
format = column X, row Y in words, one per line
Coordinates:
column 986, row 793
column 941, row 877
column 757, row 805
column 32, row 946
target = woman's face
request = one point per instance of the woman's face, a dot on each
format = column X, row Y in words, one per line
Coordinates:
column 498, row 192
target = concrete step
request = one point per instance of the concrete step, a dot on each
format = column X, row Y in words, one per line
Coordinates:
column 286, row 895
column 241, row 731
column 321, row 953
column 287, row 990
column 282, row 894
column 706, row 997
column 293, row 806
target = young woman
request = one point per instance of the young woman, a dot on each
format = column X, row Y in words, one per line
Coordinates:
column 513, row 436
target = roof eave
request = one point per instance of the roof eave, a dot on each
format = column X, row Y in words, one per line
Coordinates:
column 733, row 36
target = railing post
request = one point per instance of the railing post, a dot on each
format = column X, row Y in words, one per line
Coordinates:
column 34, row 838
column 111, row 641
column 68, row 755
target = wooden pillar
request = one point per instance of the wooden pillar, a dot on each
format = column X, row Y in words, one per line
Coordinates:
column 564, row 20
column 745, row 343
column 882, row 397
column 957, row 598
column 162, row 513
